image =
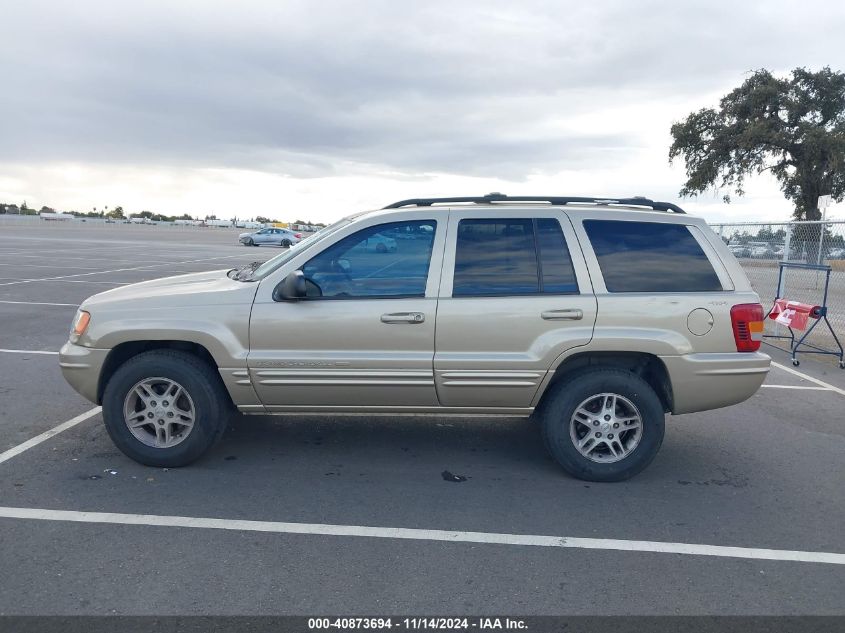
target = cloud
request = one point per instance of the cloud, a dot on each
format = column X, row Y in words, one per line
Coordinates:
column 576, row 93
column 303, row 88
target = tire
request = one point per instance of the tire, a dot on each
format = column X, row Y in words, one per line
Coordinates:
column 203, row 394
column 249, row 242
column 587, row 393
column 286, row 243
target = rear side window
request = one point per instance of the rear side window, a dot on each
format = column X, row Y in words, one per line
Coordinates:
column 650, row 257
column 520, row 256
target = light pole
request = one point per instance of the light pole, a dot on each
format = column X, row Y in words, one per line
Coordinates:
column 824, row 203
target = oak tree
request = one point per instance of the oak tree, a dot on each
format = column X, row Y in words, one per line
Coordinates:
column 792, row 127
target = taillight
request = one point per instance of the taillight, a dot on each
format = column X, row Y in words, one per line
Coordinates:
column 747, row 322
column 298, row 235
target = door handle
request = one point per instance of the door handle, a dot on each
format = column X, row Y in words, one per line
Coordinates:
column 573, row 314
column 403, row 317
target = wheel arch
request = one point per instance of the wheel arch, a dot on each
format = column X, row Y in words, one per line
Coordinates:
column 647, row 366
column 129, row 349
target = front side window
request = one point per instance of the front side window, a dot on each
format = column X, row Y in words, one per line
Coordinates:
column 382, row 261
column 520, row 256
column 650, row 257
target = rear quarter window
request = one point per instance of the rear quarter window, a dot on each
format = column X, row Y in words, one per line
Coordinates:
column 650, row 257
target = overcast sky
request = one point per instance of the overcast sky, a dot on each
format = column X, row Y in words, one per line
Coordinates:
column 316, row 109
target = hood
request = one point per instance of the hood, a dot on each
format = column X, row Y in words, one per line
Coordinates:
column 207, row 288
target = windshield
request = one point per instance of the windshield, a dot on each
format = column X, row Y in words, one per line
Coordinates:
column 272, row 264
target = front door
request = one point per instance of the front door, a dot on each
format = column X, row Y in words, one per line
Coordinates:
column 514, row 295
column 364, row 336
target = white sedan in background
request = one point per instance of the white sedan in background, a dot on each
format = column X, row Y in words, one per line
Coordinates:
column 272, row 235
column 381, row 244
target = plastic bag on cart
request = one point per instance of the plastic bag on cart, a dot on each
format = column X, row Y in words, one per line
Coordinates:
column 793, row 314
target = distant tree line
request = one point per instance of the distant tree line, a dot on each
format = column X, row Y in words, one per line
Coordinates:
column 766, row 234
column 117, row 213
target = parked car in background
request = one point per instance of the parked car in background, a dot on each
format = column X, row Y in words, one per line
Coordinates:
column 740, row 250
column 272, row 236
column 381, row 244
column 836, row 253
column 761, row 251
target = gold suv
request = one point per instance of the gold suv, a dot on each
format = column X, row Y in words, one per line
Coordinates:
column 597, row 316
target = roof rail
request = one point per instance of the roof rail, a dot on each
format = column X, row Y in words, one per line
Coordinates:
column 636, row 201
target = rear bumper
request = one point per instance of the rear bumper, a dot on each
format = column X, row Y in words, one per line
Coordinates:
column 81, row 367
column 710, row 381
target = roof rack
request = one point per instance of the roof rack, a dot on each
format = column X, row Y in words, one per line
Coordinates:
column 636, row 201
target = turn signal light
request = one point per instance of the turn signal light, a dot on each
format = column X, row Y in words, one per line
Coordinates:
column 80, row 323
column 747, row 322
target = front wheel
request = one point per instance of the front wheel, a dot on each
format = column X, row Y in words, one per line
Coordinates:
column 165, row 408
column 249, row 242
column 604, row 425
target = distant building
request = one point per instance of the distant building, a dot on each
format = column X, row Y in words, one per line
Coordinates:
column 48, row 215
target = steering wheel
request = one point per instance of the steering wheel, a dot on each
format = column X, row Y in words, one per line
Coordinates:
column 315, row 284
column 340, row 269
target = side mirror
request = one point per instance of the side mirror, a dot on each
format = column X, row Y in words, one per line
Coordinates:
column 291, row 288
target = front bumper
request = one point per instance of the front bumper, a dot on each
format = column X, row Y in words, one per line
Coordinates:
column 710, row 381
column 81, row 367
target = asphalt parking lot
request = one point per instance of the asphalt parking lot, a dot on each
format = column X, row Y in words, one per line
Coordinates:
column 95, row 533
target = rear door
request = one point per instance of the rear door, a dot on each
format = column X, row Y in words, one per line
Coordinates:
column 514, row 295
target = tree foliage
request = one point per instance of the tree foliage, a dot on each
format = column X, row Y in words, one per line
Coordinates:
column 793, row 128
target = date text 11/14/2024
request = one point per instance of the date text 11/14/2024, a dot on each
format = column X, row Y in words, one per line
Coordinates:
column 417, row 623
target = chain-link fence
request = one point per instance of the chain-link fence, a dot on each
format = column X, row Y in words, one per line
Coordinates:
column 760, row 246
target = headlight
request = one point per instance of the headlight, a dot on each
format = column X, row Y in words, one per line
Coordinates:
column 80, row 323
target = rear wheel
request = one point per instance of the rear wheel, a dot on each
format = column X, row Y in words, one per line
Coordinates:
column 165, row 408
column 605, row 425
column 286, row 243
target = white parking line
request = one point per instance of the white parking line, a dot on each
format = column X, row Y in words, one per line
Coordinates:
column 41, row 303
column 84, row 259
column 27, row 351
column 821, row 383
column 68, row 281
column 89, row 281
column 117, row 270
column 20, row 265
column 489, row 538
column 46, row 435
column 794, row 387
